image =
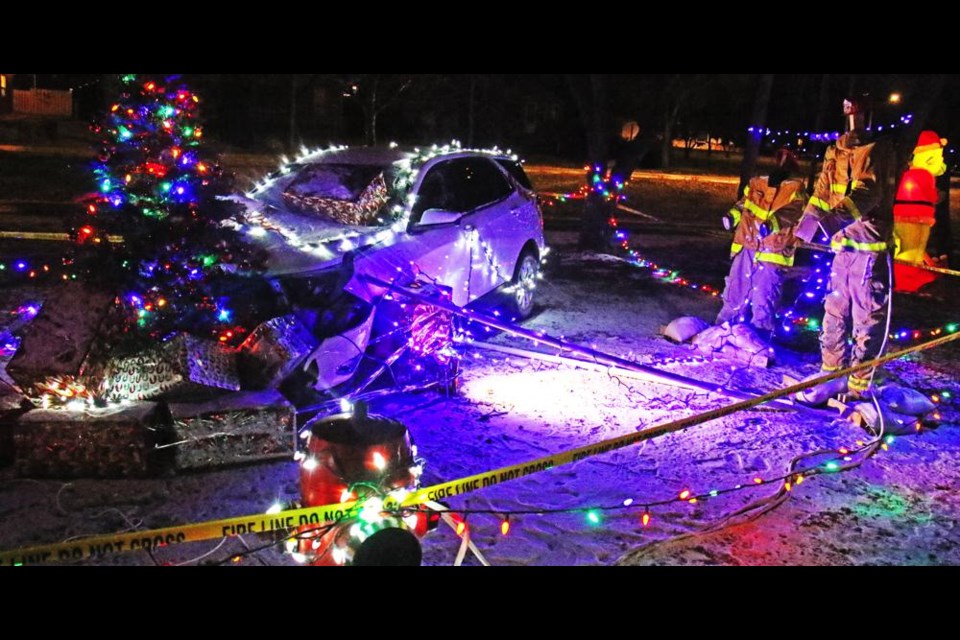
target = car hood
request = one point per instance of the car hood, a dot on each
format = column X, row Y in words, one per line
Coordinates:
column 304, row 244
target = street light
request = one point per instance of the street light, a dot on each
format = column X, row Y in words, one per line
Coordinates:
column 895, row 98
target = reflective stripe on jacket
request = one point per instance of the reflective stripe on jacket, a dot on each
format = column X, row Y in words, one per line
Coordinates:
column 767, row 217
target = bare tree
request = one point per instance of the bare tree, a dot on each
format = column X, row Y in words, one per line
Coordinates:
column 758, row 122
column 590, row 91
column 376, row 92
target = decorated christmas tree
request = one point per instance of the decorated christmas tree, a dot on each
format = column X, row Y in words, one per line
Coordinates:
column 156, row 222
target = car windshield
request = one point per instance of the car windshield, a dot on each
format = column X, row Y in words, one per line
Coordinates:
column 346, row 193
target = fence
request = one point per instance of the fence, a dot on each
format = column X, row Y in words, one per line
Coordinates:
column 45, row 102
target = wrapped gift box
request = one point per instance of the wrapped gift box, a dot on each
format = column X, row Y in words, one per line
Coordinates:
column 185, row 367
column 119, row 441
column 232, row 429
column 56, row 343
column 273, row 351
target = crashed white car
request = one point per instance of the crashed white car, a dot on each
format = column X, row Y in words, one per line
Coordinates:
column 465, row 222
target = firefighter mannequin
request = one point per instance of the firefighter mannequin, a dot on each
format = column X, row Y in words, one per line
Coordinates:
column 852, row 205
column 763, row 246
column 913, row 211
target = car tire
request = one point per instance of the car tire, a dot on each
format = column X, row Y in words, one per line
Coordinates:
column 523, row 284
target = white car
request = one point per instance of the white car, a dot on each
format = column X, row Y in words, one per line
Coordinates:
column 463, row 223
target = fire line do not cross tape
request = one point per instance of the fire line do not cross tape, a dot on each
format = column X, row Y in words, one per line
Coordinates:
column 98, row 546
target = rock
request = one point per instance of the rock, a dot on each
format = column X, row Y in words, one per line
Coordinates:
column 907, row 401
column 683, row 329
column 894, row 423
column 738, row 342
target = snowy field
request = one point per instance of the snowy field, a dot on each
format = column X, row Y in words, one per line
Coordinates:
column 899, row 507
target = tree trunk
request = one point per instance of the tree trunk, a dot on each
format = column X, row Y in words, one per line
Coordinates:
column 590, row 94
column 293, row 114
column 370, row 124
column 471, row 110
column 907, row 139
column 759, row 123
column 669, row 119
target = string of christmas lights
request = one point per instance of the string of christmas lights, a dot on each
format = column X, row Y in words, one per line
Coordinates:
column 799, row 139
column 369, row 508
column 664, row 274
column 806, row 312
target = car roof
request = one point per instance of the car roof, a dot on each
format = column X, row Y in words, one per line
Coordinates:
column 380, row 156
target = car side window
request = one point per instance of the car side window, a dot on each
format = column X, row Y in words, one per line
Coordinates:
column 515, row 169
column 460, row 185
column 434, row 192
column 478, row 183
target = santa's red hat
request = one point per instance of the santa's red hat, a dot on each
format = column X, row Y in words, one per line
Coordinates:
column 929, row 141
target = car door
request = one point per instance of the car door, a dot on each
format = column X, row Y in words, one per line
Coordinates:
column 432, row 252
column 488, row 200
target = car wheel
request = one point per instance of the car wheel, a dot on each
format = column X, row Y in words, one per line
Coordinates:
column 524, row 283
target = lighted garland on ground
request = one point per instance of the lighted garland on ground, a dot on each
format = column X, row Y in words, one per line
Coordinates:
column 371, row 498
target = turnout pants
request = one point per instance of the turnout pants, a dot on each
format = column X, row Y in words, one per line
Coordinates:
column 752, row 292
column 857, row 306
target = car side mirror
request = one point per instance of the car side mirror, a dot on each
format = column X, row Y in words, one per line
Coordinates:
column 439, row 216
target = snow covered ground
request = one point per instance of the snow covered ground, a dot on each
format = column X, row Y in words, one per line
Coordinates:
column 899, row 507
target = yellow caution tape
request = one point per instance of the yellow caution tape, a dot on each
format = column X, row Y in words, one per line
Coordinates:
column 98, row 546
column 919, row 265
